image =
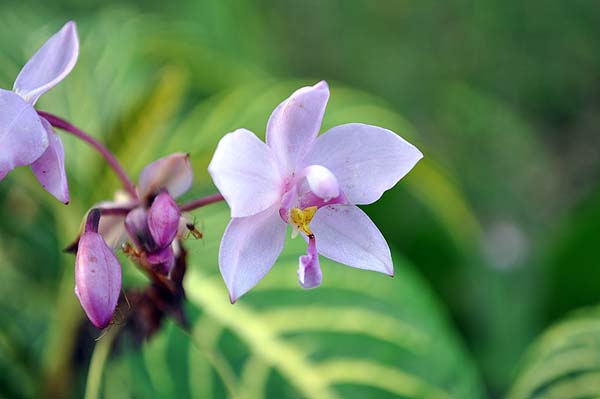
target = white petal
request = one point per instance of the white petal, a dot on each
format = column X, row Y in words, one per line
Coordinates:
column 345, row 234
column 249, row 248
column 295, row 123
column 367, row 160
column 246, row 173
column 322, row 182
column 172, row 173
column 49, row 65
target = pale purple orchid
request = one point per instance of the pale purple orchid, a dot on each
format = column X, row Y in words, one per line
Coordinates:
column 25, row 137
column 311, row 183
column 152, row 221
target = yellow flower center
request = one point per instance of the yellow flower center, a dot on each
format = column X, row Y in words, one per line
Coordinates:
column 300, row 218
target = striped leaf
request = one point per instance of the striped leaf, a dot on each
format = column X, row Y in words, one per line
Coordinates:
column 564, row 362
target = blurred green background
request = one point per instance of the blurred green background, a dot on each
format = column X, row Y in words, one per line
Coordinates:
column 494, row 234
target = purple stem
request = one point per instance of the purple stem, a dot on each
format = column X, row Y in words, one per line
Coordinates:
column 116, row 211
column 200, row 202
column 108, row 156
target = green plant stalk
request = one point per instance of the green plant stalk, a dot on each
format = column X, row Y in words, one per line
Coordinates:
column 97, row 363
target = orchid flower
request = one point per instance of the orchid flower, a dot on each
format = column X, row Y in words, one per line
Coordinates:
column 151, row 221
column 25, row 137
column 311, row 183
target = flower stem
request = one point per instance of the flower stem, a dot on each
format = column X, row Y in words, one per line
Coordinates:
column 123, row 211
column 200, row 202
column 98, row 363
column 108, row 156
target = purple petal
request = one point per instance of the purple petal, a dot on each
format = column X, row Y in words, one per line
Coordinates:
column 162, row 260
column 163, row 219
column 172, row 173
column 23, row 138
column 136, row 223
column 309, row 269
column 49, row 65
column 245, row 171
column 49, row 169
column 367, row 160
column 295, row 123
column 347, row 235
column 249, row 248
column 97, row 279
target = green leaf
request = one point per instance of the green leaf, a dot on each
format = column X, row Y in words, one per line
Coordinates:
column 564, row 362
column 360, row 329
column 372, row 338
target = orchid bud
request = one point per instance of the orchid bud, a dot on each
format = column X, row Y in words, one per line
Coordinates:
column 162, row 260
column 97, row 274
column 163, row 219
column 136, row 224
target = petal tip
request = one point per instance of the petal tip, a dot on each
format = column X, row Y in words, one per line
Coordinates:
column 389, row 270
column 71, row 24
column 322, row 85
column 64, row 197
column 101, row 324
column 70, row 27
column 418, row 155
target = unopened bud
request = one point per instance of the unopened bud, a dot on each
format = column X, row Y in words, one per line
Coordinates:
column 163, row 219
column 97, row 278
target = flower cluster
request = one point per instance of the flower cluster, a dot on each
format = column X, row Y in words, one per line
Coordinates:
column 152, row 221
column 298, row 178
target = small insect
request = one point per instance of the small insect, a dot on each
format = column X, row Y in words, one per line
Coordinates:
column 132, row 252
column 194, row 231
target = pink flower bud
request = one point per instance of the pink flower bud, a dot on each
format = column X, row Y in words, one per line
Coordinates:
column 162, row 260
column 163, row 219
column 97, row 278
column 136, row 224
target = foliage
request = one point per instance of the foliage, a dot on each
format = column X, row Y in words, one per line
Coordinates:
column 501, row 96
column 564, row 361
